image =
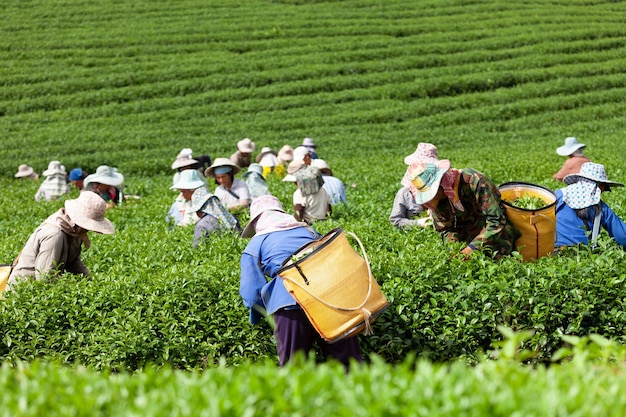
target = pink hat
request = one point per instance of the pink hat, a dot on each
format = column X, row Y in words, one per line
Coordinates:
column 259, row 206
column 245, row 145
column 285, row 153
column 184, row 159
column 87, row 211
column 425, row 152
column 24, row 171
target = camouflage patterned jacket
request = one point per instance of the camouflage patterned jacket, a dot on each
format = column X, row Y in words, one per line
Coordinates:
column 482, row 222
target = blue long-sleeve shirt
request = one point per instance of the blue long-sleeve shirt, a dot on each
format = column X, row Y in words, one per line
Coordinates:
column 262, row 258
column 571, row 229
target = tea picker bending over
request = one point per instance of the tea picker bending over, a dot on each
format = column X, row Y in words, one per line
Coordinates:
column 275, row 236
column 578, row 204
column 465, row 205
column 214, row 217
column 575, row 158
column 56, row 245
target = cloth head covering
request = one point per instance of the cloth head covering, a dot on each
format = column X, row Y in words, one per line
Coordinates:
column 105, row 175
column 267, row 215
column 222, row 162
column 203, row 200
column 322, row 166
column 188, row 179
column 24, row 171
column 286, row 153
column 87, row 211
column 184, row 159
column 582, row 194
column 570, row 146
column 76, row 174
column 54, row 168
column 425, row 152
column 591, row 171
column 245, row 145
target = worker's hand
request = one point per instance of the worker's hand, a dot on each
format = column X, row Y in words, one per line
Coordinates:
column 424, row 222
column 466, row 252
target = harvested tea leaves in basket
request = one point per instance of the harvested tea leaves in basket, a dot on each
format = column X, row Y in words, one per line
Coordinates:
column 528, row 202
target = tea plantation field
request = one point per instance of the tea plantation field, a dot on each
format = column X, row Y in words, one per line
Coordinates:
column 496, row 85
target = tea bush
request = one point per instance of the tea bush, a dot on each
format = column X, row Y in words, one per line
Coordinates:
column 496, row 86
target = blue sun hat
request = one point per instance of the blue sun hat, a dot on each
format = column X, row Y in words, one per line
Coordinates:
column 570, row 146
column 188, row 179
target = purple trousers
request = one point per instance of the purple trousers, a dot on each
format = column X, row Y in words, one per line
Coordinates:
column 294, row 332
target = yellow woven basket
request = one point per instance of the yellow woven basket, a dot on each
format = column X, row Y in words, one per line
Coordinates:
column 334, row 286
column 538, row 227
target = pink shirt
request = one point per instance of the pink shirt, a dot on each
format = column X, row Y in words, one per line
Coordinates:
column 571, row 166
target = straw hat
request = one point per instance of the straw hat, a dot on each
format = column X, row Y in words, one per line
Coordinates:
column 222, row 166
column 24, row 171
column 426, row 178
column 322, row 166
column 87, row 211
column 246, row 145
column 105, row 175
column 259, row 206
column 591, row 171
column 54, row 168
column 425, row 152
column 188, row 179
column 286, row 153
column 184, row 159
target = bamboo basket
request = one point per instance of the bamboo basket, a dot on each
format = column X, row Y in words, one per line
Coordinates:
column 334, row 286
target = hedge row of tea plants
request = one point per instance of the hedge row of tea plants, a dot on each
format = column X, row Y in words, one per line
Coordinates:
column 591, row 384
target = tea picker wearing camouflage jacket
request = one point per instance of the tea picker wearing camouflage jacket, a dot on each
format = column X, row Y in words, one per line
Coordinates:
column 465, row 206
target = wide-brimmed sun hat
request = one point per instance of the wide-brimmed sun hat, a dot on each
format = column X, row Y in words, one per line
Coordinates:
column 105, row 175
column 570, row 146
column 54, row 168
column 259, row 206
column 265, row 150
column 222, row 166
column 322, row 166
column 426, row 178
column 425, row 152
column 308, row 142
column 87, row 211
column 184, row 159
column 245, row 145
column 286, row 153
column 591, row 171
column 24, row 171
column 299, row 153
column 188, row 179
column 254, row 169
column 199, row 198
column 294, row 167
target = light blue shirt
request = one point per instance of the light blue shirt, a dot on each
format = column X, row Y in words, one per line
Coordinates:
column 262, row 258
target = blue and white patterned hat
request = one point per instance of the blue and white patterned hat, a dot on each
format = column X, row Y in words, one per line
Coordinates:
column 591, row 171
